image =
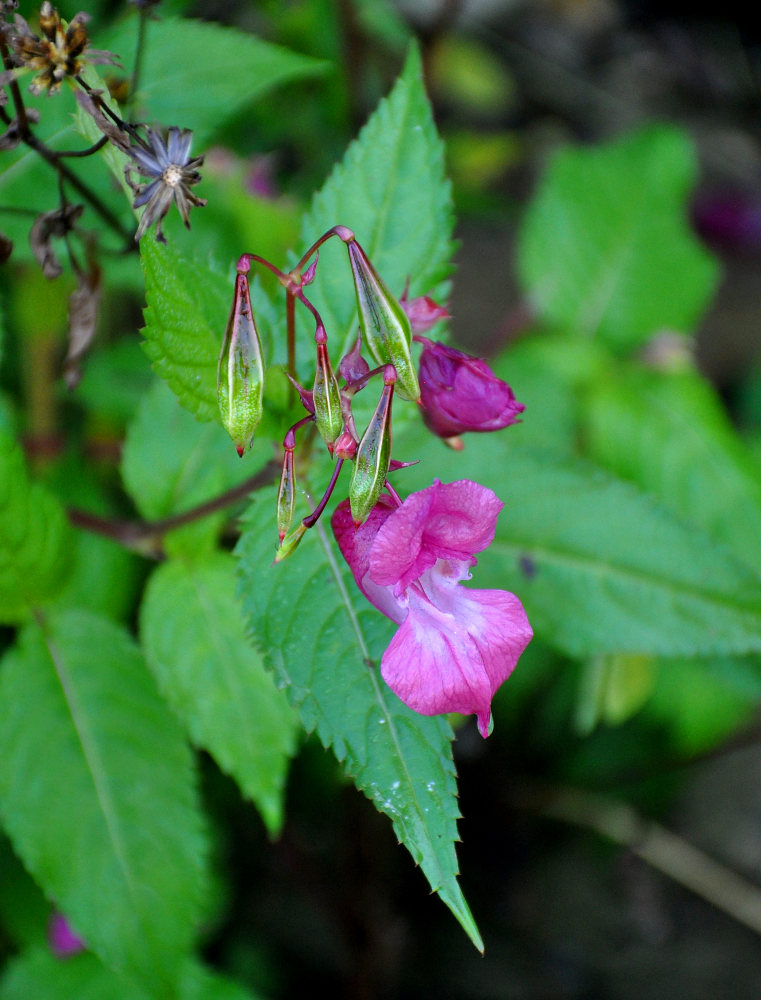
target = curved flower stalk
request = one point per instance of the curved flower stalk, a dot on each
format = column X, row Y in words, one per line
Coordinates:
column 454, row 646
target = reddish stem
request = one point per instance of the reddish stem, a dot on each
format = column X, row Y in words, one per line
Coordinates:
column 343, row 232
column 394, row 495
column 312, row 518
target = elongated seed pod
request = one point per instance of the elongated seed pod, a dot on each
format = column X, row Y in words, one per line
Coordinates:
column 240, row 372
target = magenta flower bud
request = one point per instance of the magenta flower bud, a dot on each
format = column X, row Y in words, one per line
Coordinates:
column 353, row 366
column 422, row 312
column 305, row 395
column 461, row 393
column 345, row 446
column 63, row 941
column 308, row 276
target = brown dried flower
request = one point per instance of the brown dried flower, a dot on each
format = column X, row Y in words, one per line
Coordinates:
column 59, row 53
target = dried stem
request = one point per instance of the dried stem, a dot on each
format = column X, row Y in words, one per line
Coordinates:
column 74, row 153
column 18, row 101
column 139, row 534
column 53, row 158
column 659, row 847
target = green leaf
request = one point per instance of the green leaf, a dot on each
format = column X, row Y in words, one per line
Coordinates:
column 40, row 975
column 29, row 182
column 324, row 641
column 191, row 625
column 196, row 74
column 97, row 793
column 171, row 463
column 391, row 190
column 188, row 302
column 105, row 577
column 700, row 703
column 608, row 570
column 598, row 564
column 669, row 433
column 114, row 381
column 549, row 375
column 24, row 911
column 606, row 249
column 35, row 538
column 201, row 983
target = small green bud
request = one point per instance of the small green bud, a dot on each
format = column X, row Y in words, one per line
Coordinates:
column 373, row 454
column 385, row 328
column 325, row 394
column 240, row 373
column 288, row 544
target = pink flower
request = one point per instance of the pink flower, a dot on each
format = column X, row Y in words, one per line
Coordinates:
column 454, row 646
column 460, row 393
column 62, row 939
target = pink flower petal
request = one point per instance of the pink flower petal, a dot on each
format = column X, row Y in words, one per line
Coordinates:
column 455, row 648
column 444, row 521
column 355, row 544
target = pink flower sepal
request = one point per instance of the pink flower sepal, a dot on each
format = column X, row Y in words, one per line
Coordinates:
column 454, row 646
column 460, row 393
column 422, row 312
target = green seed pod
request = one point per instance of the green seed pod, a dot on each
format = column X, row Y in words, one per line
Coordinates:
column 325, row 395
column 286, row 495
column 373, row 454
column 289, row 543
column 385, row 327
column 240, row 373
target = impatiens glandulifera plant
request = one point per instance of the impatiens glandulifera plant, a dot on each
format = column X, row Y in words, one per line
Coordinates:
column 192, row 670
column 133, row 637
column 454, row 649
